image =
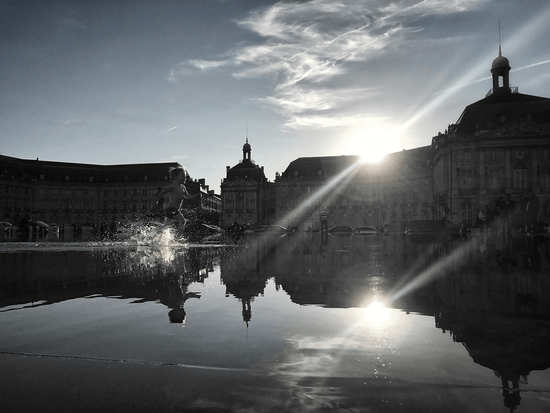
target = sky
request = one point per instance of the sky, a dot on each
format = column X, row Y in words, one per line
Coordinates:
column 188, row 81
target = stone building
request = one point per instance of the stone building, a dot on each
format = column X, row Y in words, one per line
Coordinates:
column 71, row 193
column 500, row 144
column 340, row 185
column 248, row 198
column 355, row 193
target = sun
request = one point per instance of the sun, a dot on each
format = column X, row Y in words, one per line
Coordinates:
column 376, row 313
column 373, row 144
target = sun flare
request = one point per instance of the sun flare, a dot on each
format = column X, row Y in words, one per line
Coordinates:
column 376, row 313
column 373, row 144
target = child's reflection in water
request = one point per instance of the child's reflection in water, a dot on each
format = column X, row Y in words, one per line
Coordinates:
column 178, row 295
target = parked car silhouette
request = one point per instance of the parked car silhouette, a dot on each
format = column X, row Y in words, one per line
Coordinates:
column 365, row 230
column 273, row 229
column 340, row 229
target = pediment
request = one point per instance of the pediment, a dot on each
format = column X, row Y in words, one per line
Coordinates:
column 240, row 183
column 517, row 129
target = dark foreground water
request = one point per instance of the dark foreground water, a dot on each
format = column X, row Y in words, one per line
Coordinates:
column 277, row 324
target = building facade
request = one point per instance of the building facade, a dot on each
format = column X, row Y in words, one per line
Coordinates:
column 86, row 194
column 248, row 198
column 499, row 145
column 356, row 193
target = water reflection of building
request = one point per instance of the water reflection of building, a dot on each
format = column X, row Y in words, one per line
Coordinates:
column 143, row 273
column 240, row 272
column 493, row 298
column 342, row 272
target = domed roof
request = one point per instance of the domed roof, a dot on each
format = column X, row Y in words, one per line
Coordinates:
column 500, row 62
column 246, row 170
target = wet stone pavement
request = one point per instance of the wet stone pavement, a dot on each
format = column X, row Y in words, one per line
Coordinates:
column 277, row 323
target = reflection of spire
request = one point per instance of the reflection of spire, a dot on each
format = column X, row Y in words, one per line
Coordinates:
column 511, row 348
column 510, row 388
column 247, row 311
column 243, row 284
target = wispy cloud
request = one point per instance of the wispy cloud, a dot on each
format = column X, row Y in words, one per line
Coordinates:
column 173, row 158
column 168, row 130
column 544, row 62
column 310, row 48
column 190, row 66
column 207, row 64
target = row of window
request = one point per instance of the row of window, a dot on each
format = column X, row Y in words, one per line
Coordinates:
column 16, row 203
column 468, row 217
column 90, row 179
column 22, row 190
column 131, row 192
column 496, row 178
column 70, row 204
column 114, row 206
column 493, row 156
column 362, row 190
column 14, row 189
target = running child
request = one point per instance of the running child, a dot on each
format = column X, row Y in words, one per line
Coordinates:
column 176, row 192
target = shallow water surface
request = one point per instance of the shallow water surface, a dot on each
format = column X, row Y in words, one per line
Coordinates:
column 279, row 323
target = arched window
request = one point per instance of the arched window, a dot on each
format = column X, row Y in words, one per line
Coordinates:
column 467, row 213
column 520, row 176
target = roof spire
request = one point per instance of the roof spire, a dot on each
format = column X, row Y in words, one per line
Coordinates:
column 499, row 42
column 246, row 146
column 500, row 70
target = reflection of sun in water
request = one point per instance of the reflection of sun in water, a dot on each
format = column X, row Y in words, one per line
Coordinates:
column 376, row 313
column 373, row 144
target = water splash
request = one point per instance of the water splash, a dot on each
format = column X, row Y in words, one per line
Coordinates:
column 157, row 235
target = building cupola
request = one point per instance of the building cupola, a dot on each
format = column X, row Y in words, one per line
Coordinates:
column 247, row 149
column 500, row 69
column 247, row 168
